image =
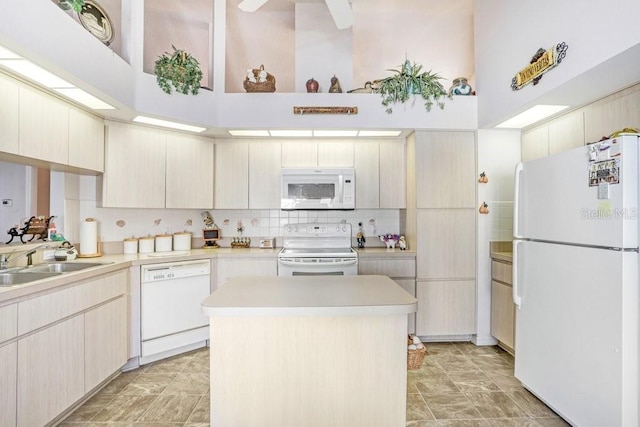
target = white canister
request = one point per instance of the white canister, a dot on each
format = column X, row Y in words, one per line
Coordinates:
column 130, row 245
column 182, row 241
column 163, row 242
column 145, row 244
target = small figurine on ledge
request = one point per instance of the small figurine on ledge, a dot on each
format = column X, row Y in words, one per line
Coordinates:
column 360, row 236
column 335, row 85
column 402, row 243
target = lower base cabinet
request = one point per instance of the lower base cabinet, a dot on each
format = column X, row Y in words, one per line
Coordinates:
column 446, row 308
column 502, row 314
column 50, row 372
column 8, row 378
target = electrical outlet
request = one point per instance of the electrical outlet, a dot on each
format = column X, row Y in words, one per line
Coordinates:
column 7, row 202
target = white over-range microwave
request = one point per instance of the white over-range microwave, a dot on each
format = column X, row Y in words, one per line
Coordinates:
column 318, row 188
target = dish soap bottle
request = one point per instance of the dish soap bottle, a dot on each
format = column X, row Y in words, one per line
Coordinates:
column 51, row 231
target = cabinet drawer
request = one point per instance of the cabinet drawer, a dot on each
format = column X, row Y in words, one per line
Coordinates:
column 8, row 322
column 43, row 310
column 501, row 272
column 388, row 267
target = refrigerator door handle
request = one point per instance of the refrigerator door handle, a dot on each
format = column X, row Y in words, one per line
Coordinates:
column 517, row 300
column 516, row 201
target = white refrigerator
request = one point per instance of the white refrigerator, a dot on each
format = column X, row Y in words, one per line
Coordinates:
column 575, row 276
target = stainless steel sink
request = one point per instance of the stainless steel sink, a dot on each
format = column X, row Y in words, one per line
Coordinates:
column 19, row 278
column 60, row 267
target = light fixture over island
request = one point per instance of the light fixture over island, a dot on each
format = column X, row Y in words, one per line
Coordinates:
column 309, row 351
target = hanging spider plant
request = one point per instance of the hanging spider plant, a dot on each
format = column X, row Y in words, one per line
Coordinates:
column 409, row 80
column 180, row 70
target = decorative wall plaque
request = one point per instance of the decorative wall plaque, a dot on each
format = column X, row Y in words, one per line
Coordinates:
column 325, row 110
column 542, row 61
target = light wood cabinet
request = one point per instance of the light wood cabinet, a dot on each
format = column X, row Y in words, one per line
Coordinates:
column 367, row 165
column 9, row 115
column 8, row 384
column 255, row 266
column 502, row 308
column 50, row 371
column 264, row 175
column 336, row 154
column 232, row 175
column 566, row 132
column 105, row 349
column 86, row 140
column 8, row 322
column 445, row 170
column 299, row 154
column 311, row 154
column 189, row 173
column 135, row 167
column 535, row 143
column 446, row 307
column 43, row 126
column 446, row 244
column 612, row 113
column 393, row 175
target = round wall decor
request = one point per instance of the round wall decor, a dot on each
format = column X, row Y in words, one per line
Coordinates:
column 95, row 20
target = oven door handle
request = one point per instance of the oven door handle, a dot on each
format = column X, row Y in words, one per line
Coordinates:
column 329, row 264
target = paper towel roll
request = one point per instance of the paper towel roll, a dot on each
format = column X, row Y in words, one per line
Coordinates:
column 89, row 237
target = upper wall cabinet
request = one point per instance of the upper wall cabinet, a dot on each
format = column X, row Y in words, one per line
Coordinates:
column 566, row 132
column 9, row 113
column 445, row 169
column 367, row 164
column 44, row 126
column 86, row 140
column 189, row 178
column 535, row 143
column 311, row 154
column 393, row 175
column 134, row 175
column 231, row 175
column 264, row 175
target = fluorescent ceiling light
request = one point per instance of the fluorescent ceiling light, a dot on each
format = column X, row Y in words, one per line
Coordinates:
column 335, row 133
column 379, row 133
column 298, row 133
column 532, row 115
column 7, row 54
column 249, row 132
column 31, row 71
column 168, row 124
column 84, row 98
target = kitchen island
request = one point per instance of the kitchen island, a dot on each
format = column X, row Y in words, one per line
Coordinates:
column 309, row 351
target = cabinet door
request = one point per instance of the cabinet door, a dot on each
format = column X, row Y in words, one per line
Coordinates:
column 367, row 156
column 50, row 371
column 134, row 175
column 335, row 154
column 446, row 244
column 409, row 285
column 86, row 140
column 190, row 162
column 299, row 154
column 535, row 143
column 231, row 175
column 230, row 267
column 566, row 132
column 9, row 115
column 446, row 307
column 8, row 384
column 502, row 313
column 445, row 170
column 264, row 175
column 612, row 113
column 44, row 126
column 106, row 341
column 393, row 175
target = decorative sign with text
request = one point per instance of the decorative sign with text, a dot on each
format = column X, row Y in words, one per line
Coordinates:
column 542, row 61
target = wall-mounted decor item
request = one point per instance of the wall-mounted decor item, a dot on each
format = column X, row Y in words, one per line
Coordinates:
column 94, row 19
column 460, row 86
column 484, row 208
column 483, row 178
column 258, row 80
column 411, row 80
column 75, row 5
column 179, row 70
column 541, row 62
column 325, row 110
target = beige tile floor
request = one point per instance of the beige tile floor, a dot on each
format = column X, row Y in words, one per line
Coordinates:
column 458, row 385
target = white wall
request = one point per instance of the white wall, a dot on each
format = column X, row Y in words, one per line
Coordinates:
column 498, row 154
column 508, row 33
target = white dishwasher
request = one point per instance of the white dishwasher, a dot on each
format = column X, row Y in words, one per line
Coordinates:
column 171, row 317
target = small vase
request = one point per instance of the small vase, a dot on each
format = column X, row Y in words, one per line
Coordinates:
column 460, row 86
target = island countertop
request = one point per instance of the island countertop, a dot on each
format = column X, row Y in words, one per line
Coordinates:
column 309, row 296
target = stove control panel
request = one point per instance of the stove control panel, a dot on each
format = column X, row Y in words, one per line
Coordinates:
column 317, row 230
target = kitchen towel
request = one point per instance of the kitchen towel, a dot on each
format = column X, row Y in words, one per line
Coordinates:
column 89, row 237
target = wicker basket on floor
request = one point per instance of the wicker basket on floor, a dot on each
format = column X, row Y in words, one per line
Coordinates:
column 415, row 358
column 267, row 86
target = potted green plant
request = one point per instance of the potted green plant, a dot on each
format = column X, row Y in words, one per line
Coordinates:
column 180, row 70
column 76, row 5
column 411, row 80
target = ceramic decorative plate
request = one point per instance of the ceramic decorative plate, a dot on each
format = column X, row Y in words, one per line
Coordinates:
column 95, row 20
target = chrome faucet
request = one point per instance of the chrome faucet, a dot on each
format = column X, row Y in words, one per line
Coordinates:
column 5, row 258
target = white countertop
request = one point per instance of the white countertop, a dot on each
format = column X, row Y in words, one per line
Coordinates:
column 309, row 296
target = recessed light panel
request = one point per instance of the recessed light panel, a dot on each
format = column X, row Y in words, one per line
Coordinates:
column 168, row 124
column 7, row 54
column 247, row 132
column 532, row 115
column 379, row 133
column 291, row 133
column 84, row 98
column 33, row 72
column 335, row 133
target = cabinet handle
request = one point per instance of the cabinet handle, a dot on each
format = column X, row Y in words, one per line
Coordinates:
column 517, row 300
column 516, row 202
